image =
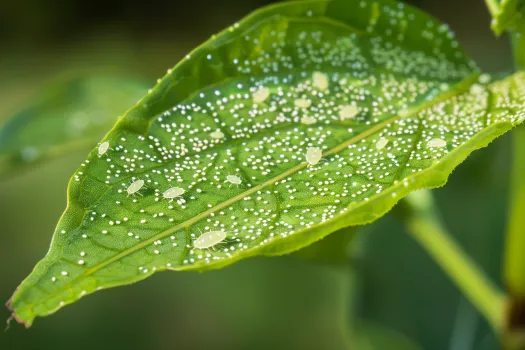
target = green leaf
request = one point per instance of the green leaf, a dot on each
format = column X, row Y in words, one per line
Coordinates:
column 380, row 88
column 69, row 115
column 509, row 17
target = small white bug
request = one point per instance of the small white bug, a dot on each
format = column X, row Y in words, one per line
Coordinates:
column 261, row 95
column 320, row 81
column 209, row 239
column 381, row 143
column 307, row 120
column 217, row 135
column 135, row 187
column 103, row 148
column 484, row 78
column 476, row 89
column 313, row 155
column 172, row 193
column 302, row 103
column 348, row 112
column 436, row 143
column 233, row 179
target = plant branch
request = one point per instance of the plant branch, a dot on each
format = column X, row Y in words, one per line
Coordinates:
column 514, row 264
column 518, row 46
column 424, row 225
column 515, row 240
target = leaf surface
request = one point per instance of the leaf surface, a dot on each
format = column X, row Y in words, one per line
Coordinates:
column 71, row 114
column 380, row 91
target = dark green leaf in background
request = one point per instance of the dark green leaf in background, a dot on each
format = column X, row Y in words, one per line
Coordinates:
column 333, row 249
column 72, row 114
column 303, row 118
column 372, row 337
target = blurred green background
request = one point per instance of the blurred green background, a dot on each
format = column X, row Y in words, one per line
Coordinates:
column 272, row 303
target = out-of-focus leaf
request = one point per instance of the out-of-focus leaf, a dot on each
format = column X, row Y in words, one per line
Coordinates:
column 368, row 336
column 332, row 249
column 76, row 113
column 222, row 159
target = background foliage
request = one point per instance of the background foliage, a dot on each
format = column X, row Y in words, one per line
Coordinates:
column 277, row 303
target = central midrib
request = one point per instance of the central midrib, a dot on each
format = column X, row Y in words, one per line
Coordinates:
column 235, row 199
column 222, row 205
column 336, row 149
column 461, row 88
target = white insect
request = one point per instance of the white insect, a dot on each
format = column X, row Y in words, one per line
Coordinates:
column 436, row 143
column 476, row 89
column 233, row 179
column 209, row 239
column 103, row 148
column 484, row 79
column 217, row 134
column 313, row 155
column 381, row 143
column 348, row 112
column 172, row 193
column 261, row 95
column 320, row 81
column 302, row 103
column 308, row 120
column 135, row 187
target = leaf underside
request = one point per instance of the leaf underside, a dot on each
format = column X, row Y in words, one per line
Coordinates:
column 70, row 115
column 382, row 89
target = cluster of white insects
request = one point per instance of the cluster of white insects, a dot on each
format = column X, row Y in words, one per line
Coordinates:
column 260, row 100
column 257, row 159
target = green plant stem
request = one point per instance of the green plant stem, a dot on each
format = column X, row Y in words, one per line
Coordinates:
column 515, row 240
column 514, row 264
column 518, row 46
column 493, row 6
column 424, row 225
